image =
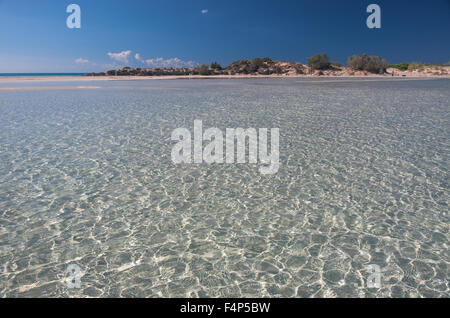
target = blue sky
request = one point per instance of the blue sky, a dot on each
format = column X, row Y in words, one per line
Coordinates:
column 34, row 36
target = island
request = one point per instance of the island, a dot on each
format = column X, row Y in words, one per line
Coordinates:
column 360, row 65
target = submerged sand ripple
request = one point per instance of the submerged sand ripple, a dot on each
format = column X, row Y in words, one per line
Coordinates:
column 86, row 178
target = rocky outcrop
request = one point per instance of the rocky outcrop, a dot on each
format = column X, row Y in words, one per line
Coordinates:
column 266, row 67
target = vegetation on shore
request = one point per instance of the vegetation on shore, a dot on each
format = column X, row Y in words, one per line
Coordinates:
column 420, row 67
column 261, row 66
column 371, row 64
column 319, row 64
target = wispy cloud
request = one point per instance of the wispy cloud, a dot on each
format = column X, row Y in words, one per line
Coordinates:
column 138, row 57
column 81, row 61
column 204, row 11
column 120, row 57
column 172, row 62
column 111, row 66
column 125, row 56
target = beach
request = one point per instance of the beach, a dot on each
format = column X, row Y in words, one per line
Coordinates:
column 327, row 74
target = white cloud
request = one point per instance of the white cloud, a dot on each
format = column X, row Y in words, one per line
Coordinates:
column 120, row 57
column 81, row 61
column 172, row 62
column 204, row 11
column 124, row 57
column 138, row 57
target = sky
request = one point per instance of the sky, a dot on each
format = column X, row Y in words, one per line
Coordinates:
column 34, row 36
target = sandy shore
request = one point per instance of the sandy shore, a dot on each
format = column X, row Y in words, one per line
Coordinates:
column 20, row 79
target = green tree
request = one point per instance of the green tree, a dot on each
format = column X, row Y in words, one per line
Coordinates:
column 216, row 66
column 257, row 62
column 319, row 62
column 401, row 66
column 414, row 66
column 372, row 64
column 204, row 70
column 357, row 62
column 376, row 65
column 336, row 64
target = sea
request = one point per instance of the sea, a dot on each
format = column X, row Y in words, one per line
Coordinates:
column 39, row 74
column 92, row 205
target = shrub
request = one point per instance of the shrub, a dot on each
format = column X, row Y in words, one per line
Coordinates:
column 401, row 66
column 376, row 65
column 204, row 70
column 336, row 64
column 372, row 64
column 216, row 66
column 414, row 66
column 263, row 71
column 299, row 69
column 278, row 70
column 257, row 62
column 252, row 68
column 357, row 62
column 319, row 62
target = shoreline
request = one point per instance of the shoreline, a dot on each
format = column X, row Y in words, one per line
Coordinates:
column 19, row 79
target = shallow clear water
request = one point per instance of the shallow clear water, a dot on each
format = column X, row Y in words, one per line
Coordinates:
column 39, row 74
column 86, row 178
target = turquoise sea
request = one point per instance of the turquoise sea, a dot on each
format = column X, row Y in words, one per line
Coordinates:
column 39, row 74
column 86, row 179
